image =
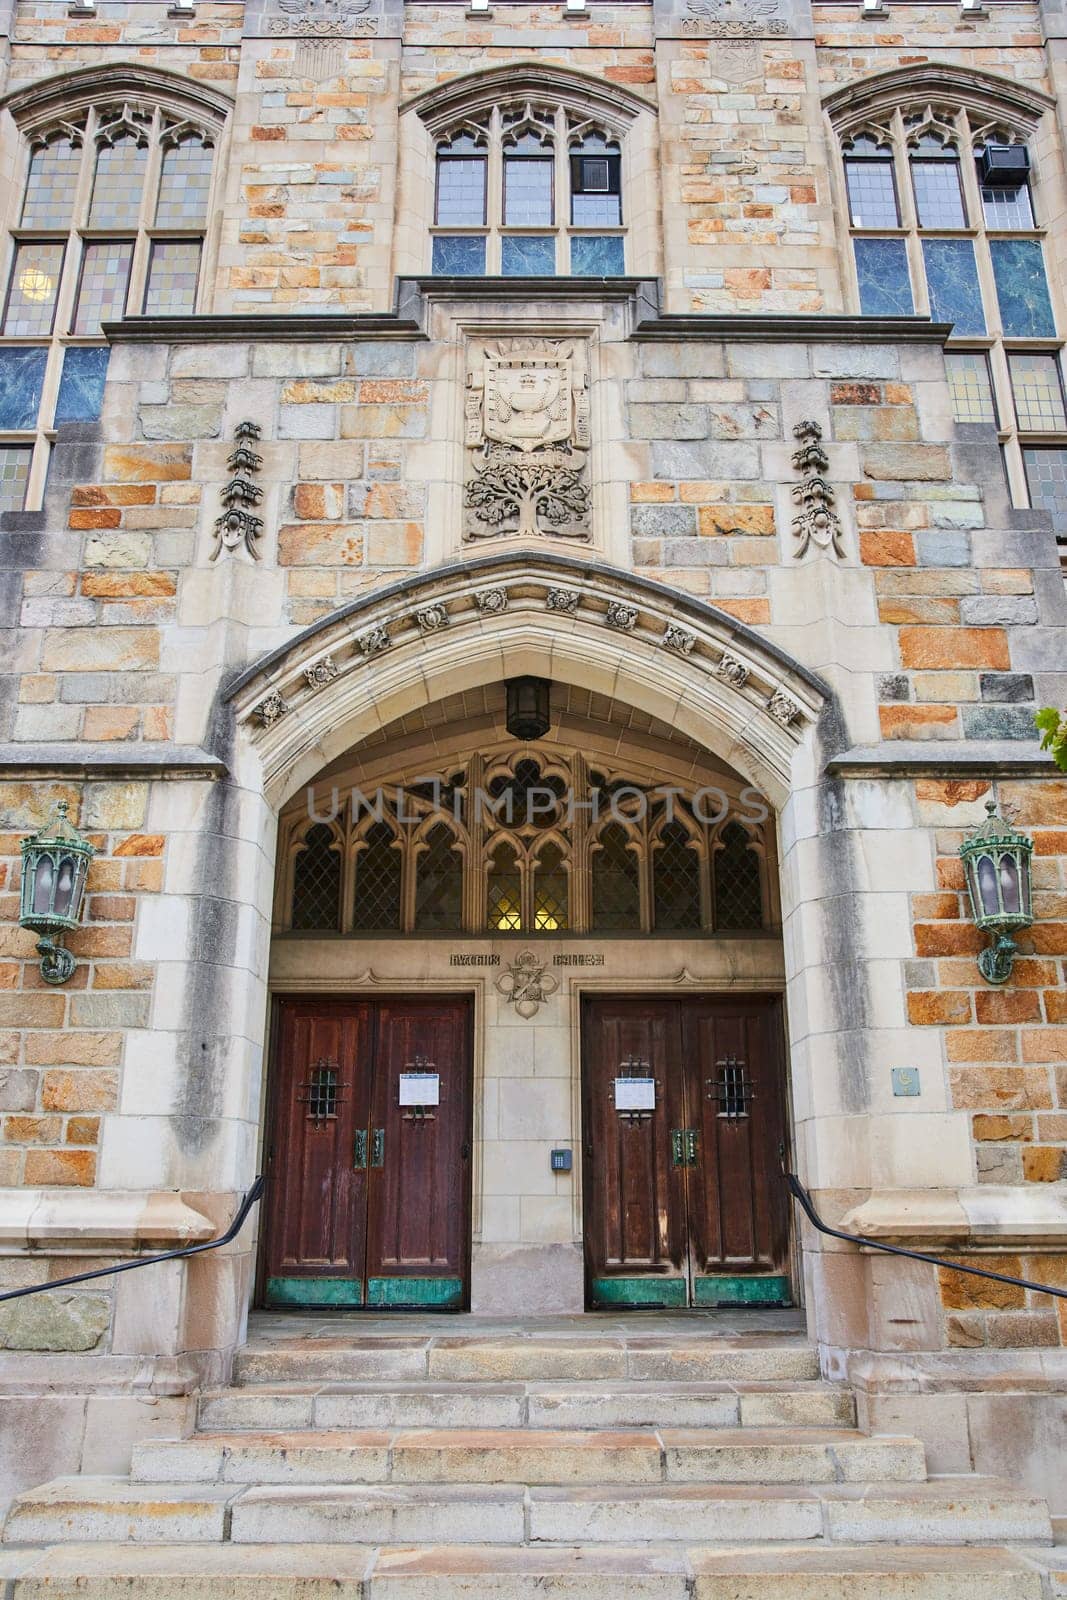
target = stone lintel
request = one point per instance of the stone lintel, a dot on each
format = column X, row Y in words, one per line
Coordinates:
column 263, row 328
column 94, row 762
column 940, row 758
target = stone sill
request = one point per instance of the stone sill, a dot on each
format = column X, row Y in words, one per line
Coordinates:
column 942, row 757
column 987, row 1217
column 80, row 759
column 976, row 1371
column 97, row 1222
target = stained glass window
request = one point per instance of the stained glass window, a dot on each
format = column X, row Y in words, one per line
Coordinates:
column 738, row 896
column 317, row 881
column 523, row 256
column 32, row 289
column 14, row 472
column 872, row 190
column 119, row 184
column 504, row 890
column 528, row 183
column 952, row 281
column 550, row 891
column 597, row 256
column 1046, row 475
column 184, row 181
column 1038, row 391
column 938, row 196
column 439, row 884
column 675, row 881
column 459, row 256
column 461, row 175
column 105, row 279
column 50, row 185
column 969, row 386
column 616, row 882
column 379, row 866
column 1022, row 288
column 885, row 284
column 173, row 269
column 22, row 370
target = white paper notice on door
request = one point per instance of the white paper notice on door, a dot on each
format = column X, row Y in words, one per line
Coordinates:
column 420, row 1089
column 635, row 1094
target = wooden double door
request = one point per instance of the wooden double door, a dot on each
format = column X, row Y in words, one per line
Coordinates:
column 369, row 1153
column 683, row 1130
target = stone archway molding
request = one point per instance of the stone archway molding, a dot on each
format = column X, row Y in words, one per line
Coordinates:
column 475, row 622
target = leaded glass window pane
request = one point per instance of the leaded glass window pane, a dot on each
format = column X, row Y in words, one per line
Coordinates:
column 885, row 284
column 872, row 194
column 1046, row 474
column 969, row 386
column 21, row 380
column 14, row 475
column 173, row 269
column 1008, row 208
column 593, row 257
column 952, row 279
column 317, row 881
column 938, row 196
column 616, row 890
column 32, row 289
column 119, row 184
column 1038, row 392
column 1022, row 288
column 105, row 278
column 461, row 191
column 81, row 388
column 439, row 884
column 50, row 185
column 528, row 191
column 459, row 257
column 550, row 891
column 378, row 869
column 522, row 257
column 504, row 890
column 184, row 181
column 738, row 897
column 675, row 881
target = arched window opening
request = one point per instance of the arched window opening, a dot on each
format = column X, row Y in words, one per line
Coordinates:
column 439, row 883
column 676, row 904
column 738, row 889
column 616, row 883
column 317, row 881
column 504, row 890
column 379, row 868
column 550, row 891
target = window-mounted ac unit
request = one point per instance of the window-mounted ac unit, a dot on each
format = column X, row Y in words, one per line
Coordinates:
column 1004, row 166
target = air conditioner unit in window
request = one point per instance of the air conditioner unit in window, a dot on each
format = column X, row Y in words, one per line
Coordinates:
column 1004, row 166
column 595, row 174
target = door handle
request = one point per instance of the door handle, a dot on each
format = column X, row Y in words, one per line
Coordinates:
column 377, row 1148
column 690, row 1141
column 359, row 1151
column 683, row 1147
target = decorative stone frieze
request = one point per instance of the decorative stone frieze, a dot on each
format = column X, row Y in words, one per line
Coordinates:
column 374, row 641
column 345, row 18
column 322, row 673
column 735, row 672
column 237, row 526
column 527, row 437
column 817, row 523
column 621, row 616
column 269, row 710
column 431, row 619
column 733, row 19
column 527, row 983
column 782, row 708
column 491, row 601
column 679, row 639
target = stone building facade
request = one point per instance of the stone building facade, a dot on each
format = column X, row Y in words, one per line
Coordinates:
column 359, row 359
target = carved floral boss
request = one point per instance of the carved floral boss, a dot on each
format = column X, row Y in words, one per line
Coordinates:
column 527, row 436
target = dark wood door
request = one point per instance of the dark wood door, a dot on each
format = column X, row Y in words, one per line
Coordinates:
column 368, row 1201
column 684, row 1204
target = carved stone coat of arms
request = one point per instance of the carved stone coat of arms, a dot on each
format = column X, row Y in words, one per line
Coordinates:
column 527, row 435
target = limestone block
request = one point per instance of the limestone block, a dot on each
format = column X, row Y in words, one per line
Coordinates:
column 527, row 1280
column 59, row 1320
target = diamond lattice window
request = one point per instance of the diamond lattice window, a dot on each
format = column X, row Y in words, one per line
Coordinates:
column 616, row 882
column 439, row 884
column 738, row 897
column 317, row 881
column 379, row 870
column 675, row 881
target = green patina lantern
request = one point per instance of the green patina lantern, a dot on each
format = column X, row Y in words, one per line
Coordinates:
column 54, row 867
column 996, row 863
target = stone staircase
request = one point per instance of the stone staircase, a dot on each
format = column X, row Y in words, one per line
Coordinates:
column 425, row 1465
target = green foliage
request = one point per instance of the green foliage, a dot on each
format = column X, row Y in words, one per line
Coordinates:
column 1053, row 730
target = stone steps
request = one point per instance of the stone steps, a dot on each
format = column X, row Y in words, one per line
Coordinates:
column 389, row 1359
column 534, row 1456
column 577, row 1404
column 348, row 1572
column 953, row 1511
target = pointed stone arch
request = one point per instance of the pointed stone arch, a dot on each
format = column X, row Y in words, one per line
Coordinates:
column 469, row 624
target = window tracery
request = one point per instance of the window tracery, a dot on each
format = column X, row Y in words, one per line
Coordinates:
column 529, row 843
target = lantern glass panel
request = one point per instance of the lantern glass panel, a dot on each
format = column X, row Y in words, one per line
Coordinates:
column 1009, row 884
column 42, row 886
column 64, row 887
column 987, row 886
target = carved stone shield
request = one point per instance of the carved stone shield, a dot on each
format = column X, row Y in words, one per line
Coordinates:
column 528, row 401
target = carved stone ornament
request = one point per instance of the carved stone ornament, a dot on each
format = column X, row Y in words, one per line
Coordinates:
column 269, row 710
column 527, row 437
column 565, row 600
column 374, row 641
column 527, row 983
column 817, row 522
column 734, row 19
column 491, row 601
column 345, row 18
column 322, row 673
column 237, row 526
column 782, row 708
column 622, row 617
column 679, row 639
column 735, row 672
column 431, row 619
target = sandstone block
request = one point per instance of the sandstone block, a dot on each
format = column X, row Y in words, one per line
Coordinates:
column 18, row 1089
column 80, row 1091
column 89, row 649
column 331, row 544
column 902, row 462
column 74, row 1048
column 954, row 647
column 156, row 463
column 56, row 1321
column 60, row 1169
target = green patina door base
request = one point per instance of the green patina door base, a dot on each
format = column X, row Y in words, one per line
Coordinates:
column 653, row 1293
column 417, row 1294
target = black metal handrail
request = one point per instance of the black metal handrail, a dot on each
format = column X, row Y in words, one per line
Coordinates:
column 804, row 1200
column 150, row 1261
